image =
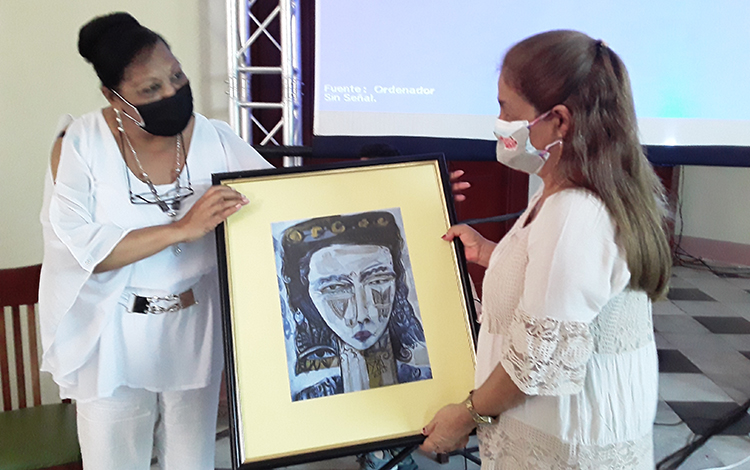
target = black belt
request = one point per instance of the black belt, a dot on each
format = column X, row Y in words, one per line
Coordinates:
column 158, row 305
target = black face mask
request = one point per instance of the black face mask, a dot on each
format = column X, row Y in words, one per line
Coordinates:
column 167, row 117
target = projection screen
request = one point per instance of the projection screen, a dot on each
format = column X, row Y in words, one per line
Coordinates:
column 429, row 68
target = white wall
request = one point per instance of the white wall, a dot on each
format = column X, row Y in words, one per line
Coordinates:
column 42, row 77
column 716, row 203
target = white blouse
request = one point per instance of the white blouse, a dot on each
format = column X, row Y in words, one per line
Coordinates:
column 92, row 344
column 558, row 316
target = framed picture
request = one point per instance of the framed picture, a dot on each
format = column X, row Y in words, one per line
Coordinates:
column 347, row 318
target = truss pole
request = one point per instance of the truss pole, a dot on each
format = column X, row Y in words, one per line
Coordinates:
column 232, row 66
column 290, row 71
column 240, row 70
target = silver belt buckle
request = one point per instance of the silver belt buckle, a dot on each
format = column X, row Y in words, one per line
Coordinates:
column 157, row 305
column 167, row 304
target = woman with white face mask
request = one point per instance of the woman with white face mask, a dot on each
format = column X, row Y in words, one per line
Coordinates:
column 566, row 361
column 129, row 290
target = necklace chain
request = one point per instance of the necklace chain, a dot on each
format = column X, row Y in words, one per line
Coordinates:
column 144, row 175
column 178, row 168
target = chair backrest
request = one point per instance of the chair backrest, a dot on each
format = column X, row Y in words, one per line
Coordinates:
column 19, row 344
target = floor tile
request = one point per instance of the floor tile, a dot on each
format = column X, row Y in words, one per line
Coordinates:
column 343, row 463
column 672, row 434
column 661, row 342
column 668, row 439
column 707, row 283
column 692, row 275
column 718, row 359
column 690, row 388
column 742, row 309
column 675, row 361
column 742, row 283
column 737, row 386
column 223, row 454
column 666, row 307
column 424, row 462
column 707, row 309
column 701, row 416
column 665, row 416
column 723, row 291
column 703, row 458
column 738, row 342
column 730, row 449
column 689, row 294
column 740, row 273
column 678, row 324
column 691, row 341
column 679, row 282
column 455, row 462
column 725, row 325
column 733, row 275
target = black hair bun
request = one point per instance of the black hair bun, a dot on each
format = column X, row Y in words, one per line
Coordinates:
column 111, row 42
column 92, row 33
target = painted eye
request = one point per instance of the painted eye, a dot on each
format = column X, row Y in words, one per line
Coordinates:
column 380, row 280
column 316, row 358
column 318, row 353
column 338, row 288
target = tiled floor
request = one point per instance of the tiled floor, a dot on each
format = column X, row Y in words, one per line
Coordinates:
column 703, row 337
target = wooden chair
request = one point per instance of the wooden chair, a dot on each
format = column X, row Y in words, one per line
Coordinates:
column 36, row 431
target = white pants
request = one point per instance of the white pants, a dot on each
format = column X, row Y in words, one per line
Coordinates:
column 120, row 432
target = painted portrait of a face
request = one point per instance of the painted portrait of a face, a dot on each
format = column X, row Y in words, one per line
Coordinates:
column 351, row 317
column 353, row 286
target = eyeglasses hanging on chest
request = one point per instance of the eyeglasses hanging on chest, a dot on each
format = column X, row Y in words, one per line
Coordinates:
column 171, row 200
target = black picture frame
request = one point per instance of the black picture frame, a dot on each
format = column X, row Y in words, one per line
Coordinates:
column 261, row 405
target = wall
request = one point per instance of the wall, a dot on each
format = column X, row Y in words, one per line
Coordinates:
column 716, row 203
column 716, row 213
column 43, row 77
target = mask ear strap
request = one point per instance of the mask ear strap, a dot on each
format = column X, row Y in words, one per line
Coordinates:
column 552, row 144
column 140, row 122
column 539, row 118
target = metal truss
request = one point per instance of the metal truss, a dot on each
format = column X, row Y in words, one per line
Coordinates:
column 244, row 30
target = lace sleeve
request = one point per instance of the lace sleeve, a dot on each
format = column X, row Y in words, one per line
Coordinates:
column 545, row 356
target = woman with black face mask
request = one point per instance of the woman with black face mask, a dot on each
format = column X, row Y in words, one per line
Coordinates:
column 129, row 290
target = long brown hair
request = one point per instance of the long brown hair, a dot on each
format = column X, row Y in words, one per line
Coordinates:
column 601, row 151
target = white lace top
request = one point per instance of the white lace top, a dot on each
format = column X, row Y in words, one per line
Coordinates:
column 558, row 317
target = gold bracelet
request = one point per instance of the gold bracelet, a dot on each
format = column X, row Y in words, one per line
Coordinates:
column 478, row 419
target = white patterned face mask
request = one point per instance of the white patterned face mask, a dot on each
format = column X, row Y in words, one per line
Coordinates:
column 514, row 148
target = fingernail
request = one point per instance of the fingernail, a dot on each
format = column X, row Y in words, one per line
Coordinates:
column 245, row 200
